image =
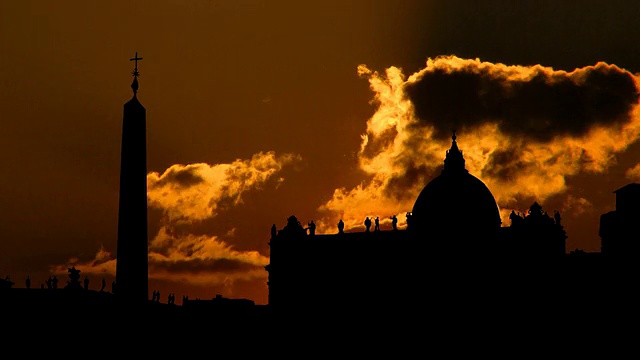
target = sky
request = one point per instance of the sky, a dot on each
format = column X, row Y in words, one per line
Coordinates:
column 259, row 110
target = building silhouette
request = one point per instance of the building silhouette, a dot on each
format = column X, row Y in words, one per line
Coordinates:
column 619, row 228
column 620, row 242
column 454, row 259
column 455, row 263
column 132, row 247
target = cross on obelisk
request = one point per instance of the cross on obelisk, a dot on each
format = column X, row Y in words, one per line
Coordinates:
column 135, row 70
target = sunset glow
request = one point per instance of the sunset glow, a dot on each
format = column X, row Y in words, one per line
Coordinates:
column 324, row 110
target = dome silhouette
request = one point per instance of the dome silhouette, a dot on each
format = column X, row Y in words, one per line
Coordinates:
column 456, row 210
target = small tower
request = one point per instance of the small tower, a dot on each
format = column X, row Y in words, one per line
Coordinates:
column 132, row 247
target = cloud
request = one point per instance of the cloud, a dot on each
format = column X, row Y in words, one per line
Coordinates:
column 523, row 131
column 633, row 173
column 202, row 260
column 196, row 259
column 103, row 263
column 199, row 192
column 192, row 193
column 576, row 206
column 533, row 102
column 196, row 192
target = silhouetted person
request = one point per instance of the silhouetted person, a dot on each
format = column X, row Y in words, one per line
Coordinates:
column 367, row 223
column 394, row 222
column 377, row 224
column 556, row 216
column 28, row 282
column 340, row 226
column 104, row 284
column 312, row 227
column 54, row 281
column 49, row 283
column 86, row 283
column 153, row 296
column 274, row 231
column 158, row 296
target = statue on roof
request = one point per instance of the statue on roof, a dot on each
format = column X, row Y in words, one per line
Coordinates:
column 6, row 283
column 556, row 216
column 312, row 227
column 74, row 278
column 515, row 218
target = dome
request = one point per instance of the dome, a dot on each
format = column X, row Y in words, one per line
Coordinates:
column 455, row 205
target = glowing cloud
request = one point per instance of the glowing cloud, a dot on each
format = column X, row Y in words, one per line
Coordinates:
column 103, row 263
column 194, row 192
column 199, row 192
column 202, row 260
column 633, row 173
column 523, row 131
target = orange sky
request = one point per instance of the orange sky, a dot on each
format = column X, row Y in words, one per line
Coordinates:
column 257, row 110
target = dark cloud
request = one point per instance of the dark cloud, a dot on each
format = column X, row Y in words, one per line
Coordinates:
column 539, row 106
column 400, row 187
column 377, row 143
column 505, row 164
column 203, row 266
column 183, row 177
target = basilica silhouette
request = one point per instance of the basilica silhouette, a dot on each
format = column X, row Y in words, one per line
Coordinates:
column 439, row 257
column 457, row 261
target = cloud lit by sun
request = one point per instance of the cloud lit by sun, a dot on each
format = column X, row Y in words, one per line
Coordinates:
column 193, row 193
column 524, row 130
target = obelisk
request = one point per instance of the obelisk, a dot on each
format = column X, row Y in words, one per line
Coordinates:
column 132, row 248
